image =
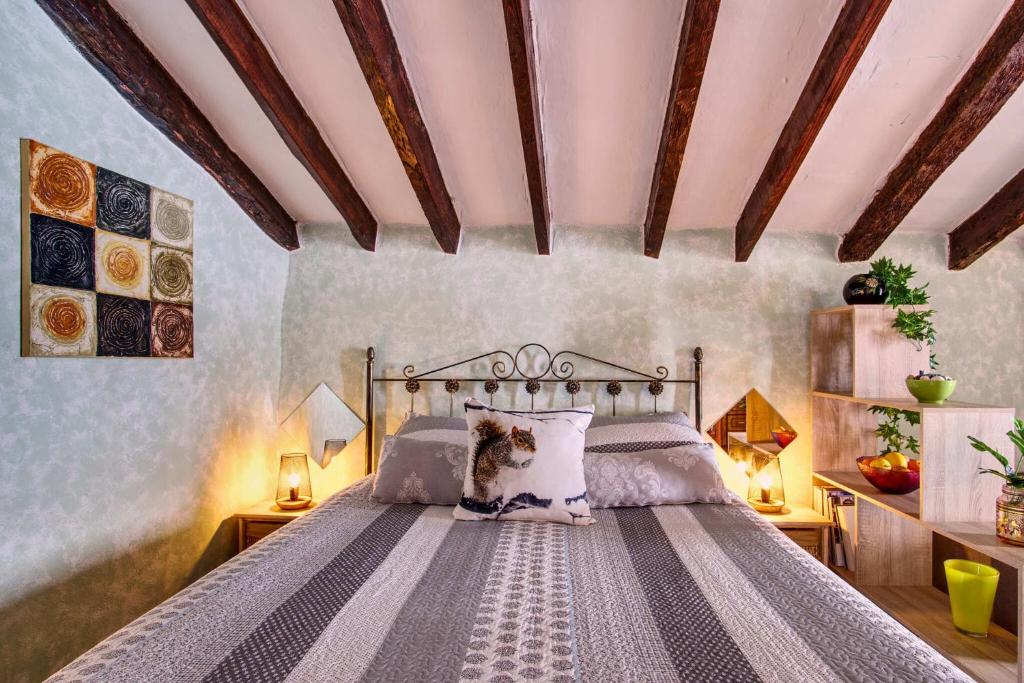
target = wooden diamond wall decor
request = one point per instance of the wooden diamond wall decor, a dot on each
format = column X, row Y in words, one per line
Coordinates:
column 106, row 265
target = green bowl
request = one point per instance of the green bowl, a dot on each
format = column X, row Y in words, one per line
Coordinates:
column 933, row 391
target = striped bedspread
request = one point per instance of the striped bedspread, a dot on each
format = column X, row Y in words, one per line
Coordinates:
column 357, row 590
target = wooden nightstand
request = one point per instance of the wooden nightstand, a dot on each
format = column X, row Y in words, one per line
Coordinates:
column 804, row 526
column 261, row 520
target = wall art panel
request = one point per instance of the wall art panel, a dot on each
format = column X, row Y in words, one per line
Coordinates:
column 106, row 261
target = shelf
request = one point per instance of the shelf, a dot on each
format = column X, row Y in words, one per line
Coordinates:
column 907, row 505
column 925, row 611
column 911, row 404
column 978, row 536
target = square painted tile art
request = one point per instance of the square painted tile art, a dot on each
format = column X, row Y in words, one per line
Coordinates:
column 106, row 261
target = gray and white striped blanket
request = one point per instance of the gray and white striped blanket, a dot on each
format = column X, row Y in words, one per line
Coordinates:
column 357, row 590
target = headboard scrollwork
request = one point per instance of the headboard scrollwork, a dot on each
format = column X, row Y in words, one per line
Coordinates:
column 532, row 365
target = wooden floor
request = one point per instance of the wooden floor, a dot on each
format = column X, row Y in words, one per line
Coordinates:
column 925, row 611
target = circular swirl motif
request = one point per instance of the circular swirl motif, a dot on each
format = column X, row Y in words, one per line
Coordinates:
column 62, row 182
column 573, row 387
column 546, row 363
column 171, row 274
column 451, row 385
column 173, row 328
column 532, row 386
column 62, row 253
column 491, row 386
column 123, row 203
column 123, row 326
column 412, row 386
column 655, row 387
column 614, row 387
column 172, row 221
column 122, row 264
column 63, row 319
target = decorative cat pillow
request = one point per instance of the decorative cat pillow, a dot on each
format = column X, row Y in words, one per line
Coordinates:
column 525, row 465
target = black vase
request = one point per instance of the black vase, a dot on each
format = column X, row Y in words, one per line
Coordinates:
column 864, row 289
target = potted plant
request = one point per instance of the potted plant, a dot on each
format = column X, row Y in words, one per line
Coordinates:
column 916, row 325
column 892, row 470
column 1010, row 505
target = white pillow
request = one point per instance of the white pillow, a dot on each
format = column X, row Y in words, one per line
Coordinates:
column 525, row 465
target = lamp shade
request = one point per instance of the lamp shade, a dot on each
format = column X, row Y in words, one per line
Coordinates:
column 766, row 493
column 293, row 488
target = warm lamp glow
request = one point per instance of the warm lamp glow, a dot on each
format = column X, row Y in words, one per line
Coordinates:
column 742, row 466
column 293, row 488
column 766, row 493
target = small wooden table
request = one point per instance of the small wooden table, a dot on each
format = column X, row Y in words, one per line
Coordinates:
column 262, row 520
column 804, row 526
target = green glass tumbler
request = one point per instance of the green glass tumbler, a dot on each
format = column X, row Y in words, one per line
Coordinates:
column 972, row 591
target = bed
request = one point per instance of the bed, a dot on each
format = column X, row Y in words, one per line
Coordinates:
column 361, row 590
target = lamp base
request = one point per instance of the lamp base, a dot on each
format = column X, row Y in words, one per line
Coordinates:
column 774, row 505
column 286, row 504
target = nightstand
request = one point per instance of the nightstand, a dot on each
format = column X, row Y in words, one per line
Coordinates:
column 262, row 520
column 804, row 526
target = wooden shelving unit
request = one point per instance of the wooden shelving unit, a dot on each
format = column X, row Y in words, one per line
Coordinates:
column 858, row 361
column 925, row 611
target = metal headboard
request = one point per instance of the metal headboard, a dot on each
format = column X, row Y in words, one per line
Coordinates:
column 551, row 372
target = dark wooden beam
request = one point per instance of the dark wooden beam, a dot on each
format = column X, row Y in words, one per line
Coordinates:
column 245, row 51
column 373, row 42
column 691, row 58
column 996, row 73
column 108, row 43
column 989, row 225
column 523, row 57
column 843, row 48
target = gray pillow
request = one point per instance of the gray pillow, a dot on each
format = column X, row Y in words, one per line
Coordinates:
column 418, row 471
column 632, row 460
column 656, row 476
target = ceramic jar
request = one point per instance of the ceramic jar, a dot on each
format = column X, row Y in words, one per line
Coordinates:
column 864, row 289
column 1010, row 515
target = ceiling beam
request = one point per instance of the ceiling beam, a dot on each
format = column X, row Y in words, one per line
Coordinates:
column 245, row 51
column 843, row 48
column 691, row 58
column 523, row 58
column 989, row 225
column 373, row 42
column 991, row 79
column 108, row 43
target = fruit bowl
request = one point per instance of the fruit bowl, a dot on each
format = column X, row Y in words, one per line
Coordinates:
column 933, row 391
column 783, row 437
column 889, row 481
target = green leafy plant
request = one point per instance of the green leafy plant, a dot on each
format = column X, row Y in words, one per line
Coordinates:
column 1012, row 474
column 890, row 432
column 913, row 324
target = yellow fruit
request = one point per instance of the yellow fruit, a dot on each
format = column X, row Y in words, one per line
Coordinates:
column 880, row 463
column 897, row 459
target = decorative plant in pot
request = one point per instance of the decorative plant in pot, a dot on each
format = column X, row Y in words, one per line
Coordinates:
column 1010, row 505
column 916, row 325
column 892, row 471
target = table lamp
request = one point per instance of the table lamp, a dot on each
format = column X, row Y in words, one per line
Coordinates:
column 294, row 491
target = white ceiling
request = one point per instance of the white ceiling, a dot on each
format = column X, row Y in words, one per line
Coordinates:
column 604, row 70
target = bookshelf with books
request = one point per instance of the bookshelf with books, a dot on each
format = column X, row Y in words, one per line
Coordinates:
column 859, row 361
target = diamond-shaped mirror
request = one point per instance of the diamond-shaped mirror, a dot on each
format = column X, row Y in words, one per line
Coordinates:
column 322, row 424
column 753, row 433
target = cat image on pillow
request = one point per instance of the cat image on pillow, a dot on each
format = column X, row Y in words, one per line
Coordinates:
column 495, row 450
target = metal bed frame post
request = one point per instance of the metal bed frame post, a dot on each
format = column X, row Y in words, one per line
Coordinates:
column 369, row 409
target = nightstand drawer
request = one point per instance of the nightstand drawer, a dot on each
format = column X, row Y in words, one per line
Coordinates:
column 264, row 519
column 808, row 539
column 252, row 531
